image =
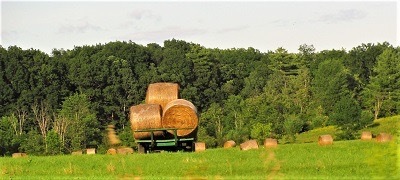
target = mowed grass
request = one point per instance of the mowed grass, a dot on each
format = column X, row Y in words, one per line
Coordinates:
column 354, row 159
column 344, row 159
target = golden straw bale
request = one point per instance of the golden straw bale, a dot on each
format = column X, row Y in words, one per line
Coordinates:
column 199, row 146
column 383, row 137
column 112, row 151
column 79, row 152
column 181, row 114
column 229, row 144
column 161, row 93
column 91, row 151
column 270, row 143
column 249, row 144
column 325, row 140
column 18, row 155
column 125, row 150
column 145, row 116
column 366, row 135
column 112, row 136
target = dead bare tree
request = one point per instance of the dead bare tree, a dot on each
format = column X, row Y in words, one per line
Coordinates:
column 43, row 119
column 60, row 125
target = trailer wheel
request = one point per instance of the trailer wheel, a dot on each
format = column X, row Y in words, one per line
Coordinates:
column 141, row 148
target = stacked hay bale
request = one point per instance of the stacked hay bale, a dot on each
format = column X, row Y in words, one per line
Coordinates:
column 164, row 109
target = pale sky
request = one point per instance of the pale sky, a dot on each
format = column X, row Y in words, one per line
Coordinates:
column 263, row 25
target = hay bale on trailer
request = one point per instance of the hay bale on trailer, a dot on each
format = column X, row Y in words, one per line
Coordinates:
column 229, row 144
column 181, row 114
column 199, row 146
column 270, row 143
column 79, row 152
column 145, row 116
column 19, row 155
column 383, row 137
column 124, row 150
column 91, row 151
column 161, row 93
column 366, row 135
column 250, row 144
column 325, row 140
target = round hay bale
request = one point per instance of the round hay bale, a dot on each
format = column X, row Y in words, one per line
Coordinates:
column 112, row 136
column 181, row 114
column 325, row 140
column 229, row 144
column 112, row 151
column 145, row 116
column 79, row 152
column 199, row 146
column 270, row 143
column 250, row 144
column 366, row 135
column 125, row 150
column 383, row 137
column 161, row 93
column 19, row 155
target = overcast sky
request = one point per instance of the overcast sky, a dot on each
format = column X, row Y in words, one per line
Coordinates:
column 264, row 25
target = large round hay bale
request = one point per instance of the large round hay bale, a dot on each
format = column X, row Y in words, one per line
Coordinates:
column 270, row 143
column 79, row 152
column 112, row 151
column 18, row 155
column 366, row 135
column 250, row 144
column 180, row 114
column 145, row 116
column 383, row 137
column 125, row 150
column 199, row 146
column 91, row 151
column 325, row 140
column 229, row 144
column 161, row 93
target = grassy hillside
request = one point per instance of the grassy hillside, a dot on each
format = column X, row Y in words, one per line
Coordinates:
column 343, row 160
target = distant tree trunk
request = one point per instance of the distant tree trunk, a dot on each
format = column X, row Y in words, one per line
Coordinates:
column 42, row 118
column 60, row 126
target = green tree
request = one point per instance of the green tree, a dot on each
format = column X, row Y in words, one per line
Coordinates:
column 347, row 116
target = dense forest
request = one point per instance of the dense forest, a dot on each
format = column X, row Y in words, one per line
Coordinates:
column 58, row 103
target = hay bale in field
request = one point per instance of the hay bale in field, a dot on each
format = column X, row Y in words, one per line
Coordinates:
column 112, row 136
column 270, row 143
column 19, row 155
column 161, row 93
column 124, row 150
column 383, row 137
column 199, row 146
column 112, row 151
column 249, row 144
column 91, row 151
column 325, row 140
column 145, row 116
column 366, row 135
column 229, row 144
column 181, row 114
column 77, row 152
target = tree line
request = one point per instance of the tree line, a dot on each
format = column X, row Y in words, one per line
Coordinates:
column 58, row 103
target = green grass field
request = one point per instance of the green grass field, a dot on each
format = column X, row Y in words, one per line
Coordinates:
column 354, row 159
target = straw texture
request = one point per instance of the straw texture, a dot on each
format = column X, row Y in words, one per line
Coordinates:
column 161, row 93
column 145, row 116
column 180, row 114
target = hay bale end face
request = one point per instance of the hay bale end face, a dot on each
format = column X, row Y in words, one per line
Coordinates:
column 19, row 155
column 199, row 146
column 181, row 114
column 91, row 151
column 145, row 116
column 384, row 137
column 125, row 150
column 270, row 143
column 112, row 151
column 366, row 135
column 161, row 93
column 325, row 140
column 229, row 144
column 250, row 144
column 77, row 152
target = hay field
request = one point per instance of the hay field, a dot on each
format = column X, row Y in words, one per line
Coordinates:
column 345, row 159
